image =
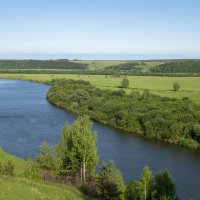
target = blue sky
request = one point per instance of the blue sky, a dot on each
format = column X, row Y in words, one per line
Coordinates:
column 56, row 27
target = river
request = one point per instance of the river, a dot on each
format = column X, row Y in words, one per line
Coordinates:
column 27, row 119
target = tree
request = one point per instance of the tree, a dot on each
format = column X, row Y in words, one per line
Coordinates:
column 133, row 190
column 80, row 96
column 77, row 148
column 9, row 168
column 146, row 94
column 195, row 132
column 32, row 170
column 111, row 182
column 125, row 83
column 143, row 189
column 176, row 86
column 146, row 183
column 45, row 158
column 164, row 186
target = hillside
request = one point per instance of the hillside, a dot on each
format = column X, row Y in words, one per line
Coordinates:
column 25, row 189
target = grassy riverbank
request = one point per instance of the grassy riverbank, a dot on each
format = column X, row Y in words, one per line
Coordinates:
column 190, row 86
column 18, row 187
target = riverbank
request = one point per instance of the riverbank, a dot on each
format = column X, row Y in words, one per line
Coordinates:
column 162, row 86
column 146, row 115
column 176, row 141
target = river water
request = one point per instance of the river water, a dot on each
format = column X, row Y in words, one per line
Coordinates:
column 27, row 120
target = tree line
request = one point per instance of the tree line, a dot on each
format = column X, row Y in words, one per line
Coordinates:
column 42, row 64
column 191, row 66
column 163, row 118
column 129, row 66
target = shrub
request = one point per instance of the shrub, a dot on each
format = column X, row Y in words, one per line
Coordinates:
column 125, row 83
column 176, row 86
column 32, row 170
column 8, row 168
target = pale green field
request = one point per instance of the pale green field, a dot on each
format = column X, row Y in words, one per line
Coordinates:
column 25, row 189
column 190, row 86
column 100, row 64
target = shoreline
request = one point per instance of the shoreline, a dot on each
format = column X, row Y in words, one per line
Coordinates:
column 194, row 148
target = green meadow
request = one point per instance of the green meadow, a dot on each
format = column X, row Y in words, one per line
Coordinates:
column 99, row 65
column 190, row 86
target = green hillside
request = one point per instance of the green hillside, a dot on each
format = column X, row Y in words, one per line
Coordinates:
column 24, row 189
column 14, row 188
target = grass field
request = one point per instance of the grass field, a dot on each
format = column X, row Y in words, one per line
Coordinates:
column 190, row 86
column 17, row 187
column 24, row 189
column 107, row 63
column 19, row 163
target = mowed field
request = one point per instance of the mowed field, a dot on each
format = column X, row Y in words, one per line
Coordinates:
column 190, row 86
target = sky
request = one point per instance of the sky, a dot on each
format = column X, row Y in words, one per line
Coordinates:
column 165, row 28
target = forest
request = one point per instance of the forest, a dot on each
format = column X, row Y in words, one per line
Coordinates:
column 166, row 119
column 130, row 66
column 190, row 66
column 41, row 64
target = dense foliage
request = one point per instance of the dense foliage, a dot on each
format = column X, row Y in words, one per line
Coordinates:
column 130, row 66
column 160, row 187
column 176, row 86
column 191, row 66
column 170, row 120
column 125, row 83
column 76, row 156
column 41, row 64
column 77, row 149
column 111, row 183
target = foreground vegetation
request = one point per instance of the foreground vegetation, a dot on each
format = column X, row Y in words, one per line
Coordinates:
column 73, row 161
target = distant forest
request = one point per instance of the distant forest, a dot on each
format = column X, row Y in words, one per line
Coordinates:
column 143, row 68
column 41, row 64
column 192, row 66
column 130, row 66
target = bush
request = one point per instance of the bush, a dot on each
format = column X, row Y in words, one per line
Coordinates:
column 176, row 86
column 125, row 83
column 89, row 189
column 8, row 168
column 32, row 170
column 1, row 168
